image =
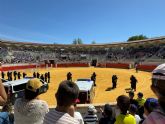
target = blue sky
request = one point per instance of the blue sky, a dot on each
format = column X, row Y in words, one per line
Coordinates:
column 61, row 21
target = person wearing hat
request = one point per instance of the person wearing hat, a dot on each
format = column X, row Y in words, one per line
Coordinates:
column 30, row 110
column 157, row 116
column 91, row 117
column 107, row 115
column 150, row 105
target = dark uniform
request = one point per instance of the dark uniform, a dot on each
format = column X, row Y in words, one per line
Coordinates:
column 15, row 75
column 48, row 77
column 114, row 81
column 24, row 74
column 11, row 76
column 69, row 76
column 34, row 75
column 38, row 75
column 19, row 75
column 42, row 77
column 133, row 82
column 8, row 76
column 3, row 75
column 93, row 78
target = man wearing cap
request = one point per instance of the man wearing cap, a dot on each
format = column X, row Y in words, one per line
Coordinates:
column 30, row 110
column 157, row 116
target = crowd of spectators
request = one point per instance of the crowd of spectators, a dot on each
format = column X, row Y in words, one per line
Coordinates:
column 135, row 52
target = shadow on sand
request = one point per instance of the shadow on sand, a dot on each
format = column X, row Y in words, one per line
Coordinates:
column 109, row 89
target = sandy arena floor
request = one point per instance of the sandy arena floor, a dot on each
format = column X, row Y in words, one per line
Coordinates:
column 103, row 81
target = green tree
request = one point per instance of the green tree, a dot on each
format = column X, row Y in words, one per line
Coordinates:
column 77, row 41
column 137, row 37
column 93, row 42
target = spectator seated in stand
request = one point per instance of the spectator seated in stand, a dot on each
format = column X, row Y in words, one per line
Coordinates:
column 157, row 116
column 123, row 103
column 75, row 114
column 66, row 95
column 133, row 110
column 141, row 102
column 30, row 110
column 6, row 115
column 150, row 105
column 107, row 115
column 91, row 117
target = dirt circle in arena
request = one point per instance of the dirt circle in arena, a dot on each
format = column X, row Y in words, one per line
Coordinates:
column 103, row 81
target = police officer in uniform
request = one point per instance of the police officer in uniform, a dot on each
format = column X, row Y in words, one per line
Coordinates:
column 15, row 75
column 69, row 76
column 48, row 77
column 133, row 82
column 114, row 81
column 93, row 78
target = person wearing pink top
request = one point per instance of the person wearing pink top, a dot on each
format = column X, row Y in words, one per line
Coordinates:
column 157, row 116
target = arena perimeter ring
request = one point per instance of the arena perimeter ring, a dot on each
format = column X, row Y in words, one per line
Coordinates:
column 103, row 92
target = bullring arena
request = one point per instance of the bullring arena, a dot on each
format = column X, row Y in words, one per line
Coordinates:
column 103, row 82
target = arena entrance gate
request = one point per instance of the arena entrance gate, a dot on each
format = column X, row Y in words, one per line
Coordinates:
column 94, row 62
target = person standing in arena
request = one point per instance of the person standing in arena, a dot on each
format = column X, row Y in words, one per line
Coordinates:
column 114, row 81
column 15, row 75
column 38, row 75
column 48, row 77
column 34, row 74
column 42, row 77
column 69, row 76
column 133, row 82
column 3, row 75
column 93, row 78
column 24, row 74
column 66, row 96
column 19, row 75
column 157, row 116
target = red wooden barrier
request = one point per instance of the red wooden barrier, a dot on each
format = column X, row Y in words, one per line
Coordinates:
column 117, row 65
column 72, row 65
column 10, row 68
column 146, row 67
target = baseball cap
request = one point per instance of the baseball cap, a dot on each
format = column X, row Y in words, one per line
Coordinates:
column 33, row 84
column 151, row 103
column 91, row 108
column 159, row 72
